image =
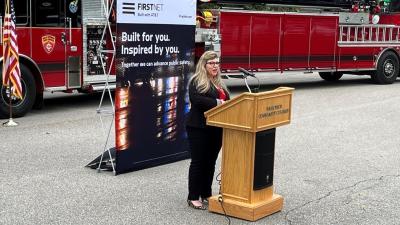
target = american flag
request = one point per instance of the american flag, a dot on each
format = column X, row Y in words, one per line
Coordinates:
column 11, row 71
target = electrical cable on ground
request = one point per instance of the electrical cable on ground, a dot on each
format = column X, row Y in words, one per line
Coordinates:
column 221, row 201
column 220, row 198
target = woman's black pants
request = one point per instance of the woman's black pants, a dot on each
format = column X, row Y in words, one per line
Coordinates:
column 204, row 144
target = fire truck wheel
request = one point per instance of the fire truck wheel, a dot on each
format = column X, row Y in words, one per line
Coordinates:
column 19, row 106
column 330, row 76
column 387, row 70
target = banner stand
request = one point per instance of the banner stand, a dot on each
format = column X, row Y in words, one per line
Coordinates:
column 106, row 161
column 152, row 54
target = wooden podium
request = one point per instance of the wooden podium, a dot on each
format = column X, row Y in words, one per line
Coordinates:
column 244, row 120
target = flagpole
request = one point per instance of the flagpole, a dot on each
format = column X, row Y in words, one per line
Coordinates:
column 11, row 18
column 10, row 122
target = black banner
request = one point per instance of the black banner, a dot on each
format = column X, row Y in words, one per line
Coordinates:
column 154, row 63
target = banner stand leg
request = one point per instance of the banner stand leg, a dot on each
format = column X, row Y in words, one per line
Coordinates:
column 105, row 149
column 106, row 160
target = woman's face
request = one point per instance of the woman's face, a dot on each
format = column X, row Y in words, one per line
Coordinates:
column 212, row 67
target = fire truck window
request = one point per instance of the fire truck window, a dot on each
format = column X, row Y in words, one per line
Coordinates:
column 48, row 13
column 21, row 11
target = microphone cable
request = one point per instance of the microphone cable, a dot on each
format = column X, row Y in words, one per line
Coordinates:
column 220, row 198
column 221, row 201
column 258, row 88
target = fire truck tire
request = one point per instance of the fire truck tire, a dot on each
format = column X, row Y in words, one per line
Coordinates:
column 20, row 107
column 330, row 76
column 387, row 70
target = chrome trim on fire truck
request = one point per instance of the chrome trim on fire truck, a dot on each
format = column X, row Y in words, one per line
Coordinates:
column 369, row 35
column 206, row 35
column 93, row 77
column 69, row 22
column 74, row 72
column 279, row 43
column 355, row 69
column 280, row 13
column 99, row 79
column 369, row 45
column 93, row 9
column 354, row 18
column 52, row 89
column 100, row 87
column 316, row 8
column 309, row 43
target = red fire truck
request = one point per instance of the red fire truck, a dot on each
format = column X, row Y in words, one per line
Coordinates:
column 58, row 43
column 329, row 37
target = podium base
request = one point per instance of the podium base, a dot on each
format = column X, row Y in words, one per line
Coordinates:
column 251, row 212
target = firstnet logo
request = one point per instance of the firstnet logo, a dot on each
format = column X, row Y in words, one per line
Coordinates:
column 128, row 8
column 151, row 7
column 142, row 9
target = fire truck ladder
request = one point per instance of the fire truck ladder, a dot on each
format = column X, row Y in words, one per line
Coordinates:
column 107, row 66
column 368, row 35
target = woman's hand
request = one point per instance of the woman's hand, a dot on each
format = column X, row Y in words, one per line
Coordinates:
column 220, row 101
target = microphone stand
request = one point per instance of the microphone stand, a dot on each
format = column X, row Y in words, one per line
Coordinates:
column 245, row 74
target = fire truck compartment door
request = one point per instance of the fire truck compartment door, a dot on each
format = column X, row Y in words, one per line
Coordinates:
column 73, row 48
column 235, row 43
column 48, row 34
column 296, row 44
column 56, row 40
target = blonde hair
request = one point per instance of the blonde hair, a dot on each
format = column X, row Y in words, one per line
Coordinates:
column 201, row 78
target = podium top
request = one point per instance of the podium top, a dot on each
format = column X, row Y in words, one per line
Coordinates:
column 253, row 112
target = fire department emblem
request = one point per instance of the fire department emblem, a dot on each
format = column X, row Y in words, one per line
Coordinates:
column 48, row 43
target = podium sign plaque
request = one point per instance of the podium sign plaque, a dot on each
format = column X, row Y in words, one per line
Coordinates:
column 249, row 121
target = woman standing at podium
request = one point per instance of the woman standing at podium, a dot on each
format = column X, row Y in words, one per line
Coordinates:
column 206, row 90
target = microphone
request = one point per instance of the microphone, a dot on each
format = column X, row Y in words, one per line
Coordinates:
column 245, row 75
column 245, row 72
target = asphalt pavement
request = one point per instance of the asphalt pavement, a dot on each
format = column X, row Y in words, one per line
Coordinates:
column 336, row 163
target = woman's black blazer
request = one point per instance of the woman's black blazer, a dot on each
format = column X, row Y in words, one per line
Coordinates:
column 201, row 102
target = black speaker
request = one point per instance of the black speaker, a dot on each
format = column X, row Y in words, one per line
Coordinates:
column 264, row 159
